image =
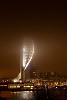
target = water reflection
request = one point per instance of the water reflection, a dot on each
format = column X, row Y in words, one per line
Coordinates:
column 23, row 95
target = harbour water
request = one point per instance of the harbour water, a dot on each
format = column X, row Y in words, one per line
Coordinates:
column 52, row 94
column 23, row 95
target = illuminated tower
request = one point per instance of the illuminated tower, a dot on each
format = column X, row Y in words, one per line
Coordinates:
column 25, row 59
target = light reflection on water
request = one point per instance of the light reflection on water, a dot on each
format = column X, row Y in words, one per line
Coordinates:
column 23, row 95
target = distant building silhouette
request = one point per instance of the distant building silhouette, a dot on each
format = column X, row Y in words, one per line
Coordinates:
column 49, row 75
column 33, row 72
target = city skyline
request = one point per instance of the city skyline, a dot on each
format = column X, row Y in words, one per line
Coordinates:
column 45, row 23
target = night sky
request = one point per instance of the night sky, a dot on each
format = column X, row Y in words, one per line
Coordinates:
column 45, row 23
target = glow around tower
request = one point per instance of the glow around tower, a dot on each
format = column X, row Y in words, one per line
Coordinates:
column 27, row 53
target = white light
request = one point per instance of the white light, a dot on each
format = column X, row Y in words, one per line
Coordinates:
column 56, row 87
column 15, row 80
